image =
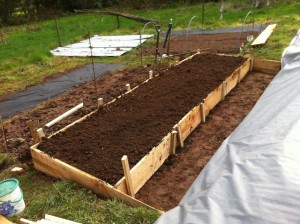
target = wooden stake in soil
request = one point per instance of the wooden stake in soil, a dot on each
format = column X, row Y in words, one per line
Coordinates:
column 150, row 74
column 128, row 88
column 202, row 112
column 41, row 133
column 173, row 142
column 100, row 102
column 251, row 64
column 223, row 90
column 180, row 138
column 58, row 33
column 127, row 174
column 32, row 127
column 239, row 75
column 4, row 135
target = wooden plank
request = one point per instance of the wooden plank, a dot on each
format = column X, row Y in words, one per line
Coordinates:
column 232, row 80
column 32, row 128
column 127, row 175
column 59, row 169
column 212, row 99
column 244, row 69
column 190, row 121
column 263, row 37
column 173, row 142
column 237, row 75
column 4, row 220
column 188, row 58
column 180, row 138
column 266, row 66
column 59, row 220
column 147, row 166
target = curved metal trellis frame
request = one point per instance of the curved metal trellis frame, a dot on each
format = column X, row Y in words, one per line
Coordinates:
column 187, row 33
column 141, row 34
column 241, row 33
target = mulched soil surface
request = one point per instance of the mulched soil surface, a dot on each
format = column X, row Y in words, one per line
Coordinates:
column 137, row 122
column 168, row 185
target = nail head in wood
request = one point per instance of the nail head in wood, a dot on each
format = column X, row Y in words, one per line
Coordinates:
column 127, row 174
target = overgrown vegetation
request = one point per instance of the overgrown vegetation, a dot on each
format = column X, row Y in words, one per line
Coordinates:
column 25, row 61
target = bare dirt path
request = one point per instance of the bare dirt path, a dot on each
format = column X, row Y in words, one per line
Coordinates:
column 168, row 185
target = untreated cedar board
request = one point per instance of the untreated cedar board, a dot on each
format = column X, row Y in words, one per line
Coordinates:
column 232, row 80
column 190, row 121
column 245, row 68
column 59, row 169
column 212, row 99
column 263, row 37
column 147, row 166
column 266, row 66
column 4, row 220
column 237, row 75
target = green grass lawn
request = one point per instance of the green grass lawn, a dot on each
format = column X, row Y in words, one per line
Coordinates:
column 25, row 60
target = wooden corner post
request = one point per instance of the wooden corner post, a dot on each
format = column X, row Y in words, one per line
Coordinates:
column 173, row 142
column 33, row 131
column 127, row 174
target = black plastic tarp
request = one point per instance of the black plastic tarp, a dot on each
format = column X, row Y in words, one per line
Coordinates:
column 42, row 92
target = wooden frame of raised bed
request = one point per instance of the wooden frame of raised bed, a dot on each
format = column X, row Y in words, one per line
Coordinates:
column 147, row 166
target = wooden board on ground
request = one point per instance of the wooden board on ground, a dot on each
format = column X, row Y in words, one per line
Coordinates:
column 59, row 169
column 147, row 166
column 4, row 220
column 263, row 37
column 190, row 121
column 270, row 67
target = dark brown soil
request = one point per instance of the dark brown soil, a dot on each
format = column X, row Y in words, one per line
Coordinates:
column 137, row 122
column 168, row 185
column 227, row 43
column 109, row 87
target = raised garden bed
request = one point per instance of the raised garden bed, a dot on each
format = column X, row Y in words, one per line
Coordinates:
column 134, row 124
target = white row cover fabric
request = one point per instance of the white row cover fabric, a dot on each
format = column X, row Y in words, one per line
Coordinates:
column 102, row 46
column 254, row 177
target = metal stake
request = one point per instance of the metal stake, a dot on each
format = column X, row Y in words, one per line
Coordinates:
column 94, row 73
column 157, row 27
column 57, row 30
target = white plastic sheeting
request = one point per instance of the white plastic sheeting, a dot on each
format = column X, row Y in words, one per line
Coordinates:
column 102, row 46
column 254, row 175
